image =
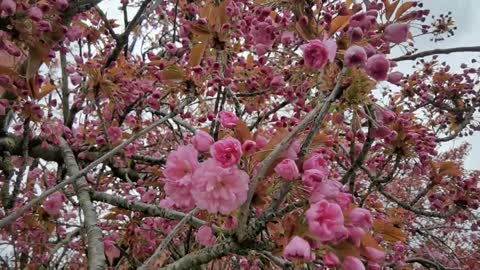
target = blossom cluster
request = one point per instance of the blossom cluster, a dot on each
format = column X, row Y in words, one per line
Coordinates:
column 332, row 218
column 217, row 184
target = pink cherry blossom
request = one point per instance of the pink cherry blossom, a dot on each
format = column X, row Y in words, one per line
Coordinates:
column 218, row 189
column 312, row 177
column 331, row 260
column 317, row 53
column 114, row 134
column 261, row 142
column 35, row 13
column 111, row 250
column 374, row 254
column 395, row 77
column 8, row 7
column 287, row 38
column 355, row 235
column 362, row 218
column 377, row 67
column 298, row 249
column 202, row 141
column 355, row 56
column 396, row 33
column 54, row 203
column 61, row 4
column 287, row 169
column 181, row 163
column 180, row 192
column 228, row 119
column 316, row 161
column 205, row 237
column 326, row 190
column 227, row 151
column 292, row 150
column 325, row 221
column 352, row 263
column 249, row 146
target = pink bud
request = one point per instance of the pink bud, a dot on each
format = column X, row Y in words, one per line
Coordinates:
column 298, row 248
column 8, row 7
column 395, row 77
column 352, row 263
column 61, row 4
column 362, row 218
column 331, row 260
column 249, row 146
column 377, row 67
column 287, row 169
column 317, row 53
column 228, row 119
column 355, row 56
column 396, row 33
column 205, row 236
column 356, row 34
column 261, row 142
column 202, row 141
column 374, row 254
column 36, row 14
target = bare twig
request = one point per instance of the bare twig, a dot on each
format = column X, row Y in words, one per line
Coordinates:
column 436, row 51
column 147, row 209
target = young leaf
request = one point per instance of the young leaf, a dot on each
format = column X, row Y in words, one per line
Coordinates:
column 403, row 8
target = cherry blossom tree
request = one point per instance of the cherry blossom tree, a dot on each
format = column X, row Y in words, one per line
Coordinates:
column 225, row 134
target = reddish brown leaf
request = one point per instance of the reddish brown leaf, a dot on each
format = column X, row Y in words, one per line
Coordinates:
column 389, row 231
column 403, row 8
column 390, row 8
column 346, row 249
column 449, row 168
column 274, row 141
column 338, row 24
column 242, row 132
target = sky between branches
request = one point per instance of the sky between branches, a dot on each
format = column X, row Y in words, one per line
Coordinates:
column 465, row 14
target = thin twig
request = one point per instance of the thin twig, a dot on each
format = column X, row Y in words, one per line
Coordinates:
column 436, row 51
column 150, row 263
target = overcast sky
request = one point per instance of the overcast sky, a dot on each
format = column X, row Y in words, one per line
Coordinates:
column 465, row 13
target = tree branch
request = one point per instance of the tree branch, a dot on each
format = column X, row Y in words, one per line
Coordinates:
column 123, row 38
column 436, row 51
column 96, row 253
column 203, row 256
column 13, row 216
column 317, row 115
column 147, row 209
column 150, row 263
column 417, row 211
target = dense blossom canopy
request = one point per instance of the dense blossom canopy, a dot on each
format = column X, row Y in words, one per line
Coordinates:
column 233, row 134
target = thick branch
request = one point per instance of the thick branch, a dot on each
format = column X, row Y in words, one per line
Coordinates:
column 96, row 253
column 147, row 209
column 203, row 256
column 436, row 51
